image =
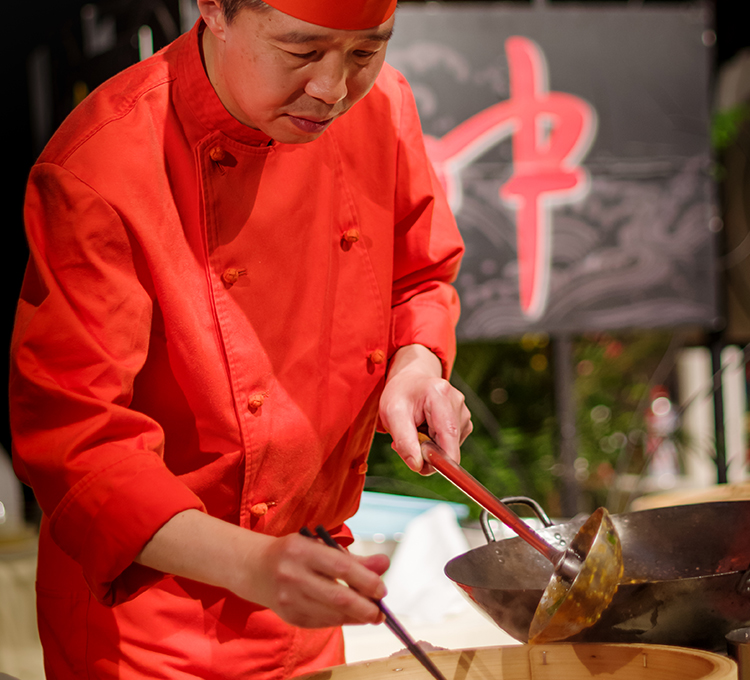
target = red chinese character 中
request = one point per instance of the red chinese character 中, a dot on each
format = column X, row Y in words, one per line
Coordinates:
column 551, row 132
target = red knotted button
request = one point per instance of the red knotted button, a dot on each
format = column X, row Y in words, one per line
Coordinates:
column 255, row 401
column 231, row 275
column 362, row 469
column 351, row 235
column 259, row 509
column 377, row 357
column 217, row 154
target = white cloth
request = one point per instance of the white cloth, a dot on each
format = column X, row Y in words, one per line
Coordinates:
column 417, row 587
column 11, row 498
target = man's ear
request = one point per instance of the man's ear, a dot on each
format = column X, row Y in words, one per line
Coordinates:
column 213, row 16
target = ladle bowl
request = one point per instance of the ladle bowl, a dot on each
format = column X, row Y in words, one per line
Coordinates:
column 586, row 573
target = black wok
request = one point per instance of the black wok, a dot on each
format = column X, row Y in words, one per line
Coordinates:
column 685, row 581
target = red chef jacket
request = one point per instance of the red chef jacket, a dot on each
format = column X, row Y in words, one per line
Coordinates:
column 205, row 322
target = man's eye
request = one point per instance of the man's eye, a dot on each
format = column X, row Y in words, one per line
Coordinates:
column 364, row 54
column 305, row 55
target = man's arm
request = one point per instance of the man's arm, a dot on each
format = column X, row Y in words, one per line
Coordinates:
column 305, row 582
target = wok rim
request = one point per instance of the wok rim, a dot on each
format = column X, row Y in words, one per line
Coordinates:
column 573, row 522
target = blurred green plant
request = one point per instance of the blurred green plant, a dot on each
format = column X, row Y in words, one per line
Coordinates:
column 616, row 375
column 725, row 129
column 726, row 124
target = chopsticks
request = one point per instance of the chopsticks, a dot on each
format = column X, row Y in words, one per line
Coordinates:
column 390, row 620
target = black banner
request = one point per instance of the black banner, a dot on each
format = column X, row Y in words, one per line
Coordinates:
column 574, row 147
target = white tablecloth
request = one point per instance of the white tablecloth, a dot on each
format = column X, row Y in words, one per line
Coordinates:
column 20, row 650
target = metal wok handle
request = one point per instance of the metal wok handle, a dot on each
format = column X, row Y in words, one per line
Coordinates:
column 484, row 516
column 743, row 585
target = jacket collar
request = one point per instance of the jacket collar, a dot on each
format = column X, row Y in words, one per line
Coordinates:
column 194, row 91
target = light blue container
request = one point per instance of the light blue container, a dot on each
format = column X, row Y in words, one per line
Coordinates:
column 384, row 516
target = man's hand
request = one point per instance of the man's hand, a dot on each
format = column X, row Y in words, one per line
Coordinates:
column 311, row 585
column 305, row 582
column 415, row 393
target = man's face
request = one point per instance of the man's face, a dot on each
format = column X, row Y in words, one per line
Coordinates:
column 287, row 77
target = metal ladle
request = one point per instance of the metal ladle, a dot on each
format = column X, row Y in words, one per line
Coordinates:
column 586, row 574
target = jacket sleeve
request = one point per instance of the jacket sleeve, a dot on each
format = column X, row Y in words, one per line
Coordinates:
column 81, row 336
column 427, row 248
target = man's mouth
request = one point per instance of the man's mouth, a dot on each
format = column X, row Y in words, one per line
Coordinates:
column 310, row 125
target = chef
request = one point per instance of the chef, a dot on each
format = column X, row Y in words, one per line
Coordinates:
column 240, row 266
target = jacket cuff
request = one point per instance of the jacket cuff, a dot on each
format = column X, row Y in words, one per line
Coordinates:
column 105, row 539
column 427, row 323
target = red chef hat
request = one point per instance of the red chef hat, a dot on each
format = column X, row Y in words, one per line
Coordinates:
column 350, row 15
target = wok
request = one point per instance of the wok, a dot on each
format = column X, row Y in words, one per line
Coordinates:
column 685, row 581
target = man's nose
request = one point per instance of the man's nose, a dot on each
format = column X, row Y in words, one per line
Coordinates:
column 329, row 80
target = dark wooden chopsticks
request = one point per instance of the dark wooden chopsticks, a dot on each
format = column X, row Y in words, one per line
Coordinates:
column 390, row 620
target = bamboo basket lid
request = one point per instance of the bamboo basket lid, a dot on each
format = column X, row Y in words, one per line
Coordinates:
column 559, row 661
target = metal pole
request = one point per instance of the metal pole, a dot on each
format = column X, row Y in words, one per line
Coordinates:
column 716, row 345
column 566, row 418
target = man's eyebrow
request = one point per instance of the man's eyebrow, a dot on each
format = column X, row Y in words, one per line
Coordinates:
column 383, row 36
column 299, row 38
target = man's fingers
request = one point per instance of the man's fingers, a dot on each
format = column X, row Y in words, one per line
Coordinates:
column 339, row 604
column 349, row 586
column 338, row 565
column 446, row 416
column 312, row 612
column 378, row 563
column 409, row 452
column 399, row 419
column 319, row 586
column 467, row 426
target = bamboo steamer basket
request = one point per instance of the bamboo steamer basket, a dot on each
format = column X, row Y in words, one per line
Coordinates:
column 558, row 661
